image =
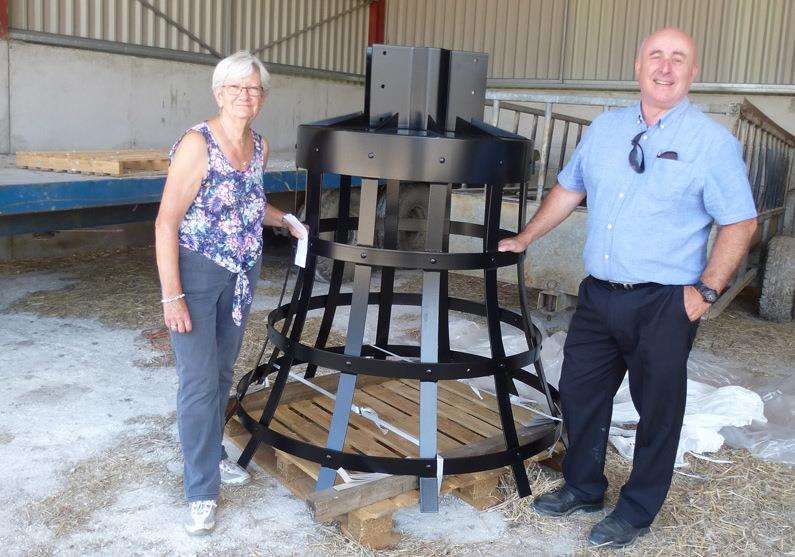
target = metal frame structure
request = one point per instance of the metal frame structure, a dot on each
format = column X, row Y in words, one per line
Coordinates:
column 379, row 148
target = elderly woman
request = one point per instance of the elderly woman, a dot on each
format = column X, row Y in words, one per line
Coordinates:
column 209, row 247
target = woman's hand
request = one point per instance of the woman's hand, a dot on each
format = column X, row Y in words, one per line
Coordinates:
column 297, row 232
column 176, row 316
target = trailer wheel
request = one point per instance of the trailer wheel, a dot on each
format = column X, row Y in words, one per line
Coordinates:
column 413, row 204
column 778, row 281
column 329, row 205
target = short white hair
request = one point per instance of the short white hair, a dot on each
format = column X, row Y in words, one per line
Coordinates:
column 237, row 66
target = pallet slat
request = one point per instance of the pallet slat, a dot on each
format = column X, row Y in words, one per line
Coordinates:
column 468, row 426
column 113, row 163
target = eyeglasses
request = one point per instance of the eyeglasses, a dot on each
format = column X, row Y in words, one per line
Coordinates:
column 236, row 90
column 636, row 159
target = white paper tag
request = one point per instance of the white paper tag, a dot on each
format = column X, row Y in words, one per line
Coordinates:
column 439, row 473
column 303, row 241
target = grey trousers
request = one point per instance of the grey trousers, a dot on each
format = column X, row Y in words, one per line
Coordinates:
column 205, row 357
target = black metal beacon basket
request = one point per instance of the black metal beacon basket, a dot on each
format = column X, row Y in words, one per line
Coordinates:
column 421, row 124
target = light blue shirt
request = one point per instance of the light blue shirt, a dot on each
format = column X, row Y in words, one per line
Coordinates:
column 654, row 226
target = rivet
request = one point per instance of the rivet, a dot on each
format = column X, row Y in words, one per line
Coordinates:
column 433, row 260
column 383, row 85
column 363, row 255
column 428, row 466
column 348, row 363
column 317, row 149
column 441, row 160
column 500, row 163
column 428, row 371
column 328, row 457
column 473, row 91
column 371, row 155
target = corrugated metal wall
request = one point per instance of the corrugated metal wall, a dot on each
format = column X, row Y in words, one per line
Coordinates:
column 740, row 41
column 321, row 34
column 524, row 38
column 126, row 21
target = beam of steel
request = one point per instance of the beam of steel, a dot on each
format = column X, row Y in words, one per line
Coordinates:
column 179, row 27
column 294, row 34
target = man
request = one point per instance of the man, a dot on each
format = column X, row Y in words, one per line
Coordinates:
column 656, row 175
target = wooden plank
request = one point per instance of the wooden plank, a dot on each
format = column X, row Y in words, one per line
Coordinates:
column 483, row 493
column 401, row 446
column 457, row 416
column 461, row 395
column 488, row 400
column 447, row 428
column 295, row 390
column 373, row 525
column 469, row 406
column 114, row 163
column 496, row 443
column 328, row 504
column 356, row 439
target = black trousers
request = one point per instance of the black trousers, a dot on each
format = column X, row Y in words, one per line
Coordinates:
column 647, row 331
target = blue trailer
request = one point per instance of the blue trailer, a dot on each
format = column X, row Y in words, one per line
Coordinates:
column 35, row 201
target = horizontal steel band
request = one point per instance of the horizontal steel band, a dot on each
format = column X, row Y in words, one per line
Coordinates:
column 457, row 228
column 467, row 366
column 398, row 259
column 423, row 467
column 412, row 156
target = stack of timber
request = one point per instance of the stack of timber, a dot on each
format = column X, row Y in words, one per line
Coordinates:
column 467, row 425
column 110, row 163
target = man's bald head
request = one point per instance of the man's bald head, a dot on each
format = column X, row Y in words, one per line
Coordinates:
column 665, row 68
column 669, row 31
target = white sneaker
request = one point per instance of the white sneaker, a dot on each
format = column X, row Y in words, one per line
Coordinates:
column 232, row 473
column 202, row 517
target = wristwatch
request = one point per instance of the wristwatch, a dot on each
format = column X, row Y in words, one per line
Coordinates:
column 710, row 296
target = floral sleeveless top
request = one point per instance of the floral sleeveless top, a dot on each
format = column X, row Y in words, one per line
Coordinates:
column 224, row 222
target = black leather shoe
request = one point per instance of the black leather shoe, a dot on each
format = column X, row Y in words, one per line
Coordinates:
column 614, row 531
column 563, row 502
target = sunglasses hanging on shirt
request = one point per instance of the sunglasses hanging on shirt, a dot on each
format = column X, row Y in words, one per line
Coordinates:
column 636, row 155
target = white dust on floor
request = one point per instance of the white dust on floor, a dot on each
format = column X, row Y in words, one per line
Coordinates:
column 91, row 461
column 75, row 408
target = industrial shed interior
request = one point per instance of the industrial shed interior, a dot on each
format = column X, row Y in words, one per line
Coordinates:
column 93, row 95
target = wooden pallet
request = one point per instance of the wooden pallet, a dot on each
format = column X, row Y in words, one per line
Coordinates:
column 468, row 425
column 111, row 163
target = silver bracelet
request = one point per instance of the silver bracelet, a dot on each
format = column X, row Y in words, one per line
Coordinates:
column 174, row 299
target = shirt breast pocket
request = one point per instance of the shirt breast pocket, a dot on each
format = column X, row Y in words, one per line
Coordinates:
column 670, row 181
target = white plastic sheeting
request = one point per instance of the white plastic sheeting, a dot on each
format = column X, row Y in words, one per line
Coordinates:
column 720, row 405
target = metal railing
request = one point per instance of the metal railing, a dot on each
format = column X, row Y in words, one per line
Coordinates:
column 502, row 102
column 768, row 151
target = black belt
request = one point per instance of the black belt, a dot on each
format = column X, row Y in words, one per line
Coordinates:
column 623, row 285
